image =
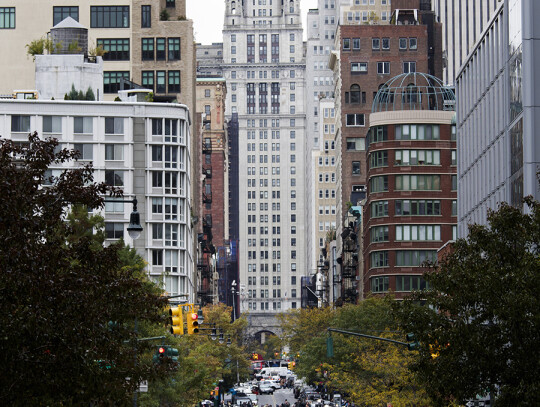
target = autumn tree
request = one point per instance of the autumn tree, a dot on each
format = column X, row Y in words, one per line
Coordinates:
column 68, row 304
column 481, row 313
column 371, row 372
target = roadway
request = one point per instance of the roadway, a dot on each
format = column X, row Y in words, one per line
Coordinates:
column 276, row 399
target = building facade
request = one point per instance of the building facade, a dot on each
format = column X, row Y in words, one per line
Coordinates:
column 264, row 66
column 463, row 24
column 368, row 56
column 142, row 148
column 496, row 97
column 411, row 207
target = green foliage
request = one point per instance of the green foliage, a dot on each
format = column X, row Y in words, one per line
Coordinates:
column 97, row 51
column 39, row 46
column 80, row 95
column 371, row 372
column 487, row 325
column 202, row 362
column 164, row 15
column 150, row 97
column 73, row 47
column 61, row 288
column 182, row 18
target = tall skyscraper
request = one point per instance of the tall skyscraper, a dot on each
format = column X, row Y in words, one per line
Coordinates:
column 463, row 23
column 264, row 67
column 496, row 92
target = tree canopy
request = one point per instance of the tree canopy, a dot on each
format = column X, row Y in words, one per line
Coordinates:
column 69, row 305
column 480, row 316
column 371, row 372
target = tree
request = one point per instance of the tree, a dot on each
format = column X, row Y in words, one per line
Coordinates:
column 202, row 362
column 369, row 371
column 68, row 304
column 481, row 316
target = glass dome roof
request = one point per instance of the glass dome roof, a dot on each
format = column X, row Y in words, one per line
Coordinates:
column 413, row 91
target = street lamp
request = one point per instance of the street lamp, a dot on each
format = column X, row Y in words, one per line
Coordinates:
column 134, row 228
column 233, row 292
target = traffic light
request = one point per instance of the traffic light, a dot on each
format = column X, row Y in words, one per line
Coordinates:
column 165, row 354
column 413, row 343
column 176, row 319
column 159, row 356
column 193, row 323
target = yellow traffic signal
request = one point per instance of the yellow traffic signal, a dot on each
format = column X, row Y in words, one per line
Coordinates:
column 192, row 323
column 176, row 320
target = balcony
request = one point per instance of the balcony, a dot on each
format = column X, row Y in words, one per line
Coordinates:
column 207, row 222
column 207, row 197
column 207, row 146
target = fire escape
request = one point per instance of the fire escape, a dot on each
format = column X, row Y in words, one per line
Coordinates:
column 205, row 264
column 349, row 259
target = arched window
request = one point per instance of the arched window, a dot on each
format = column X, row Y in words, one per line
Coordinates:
column 355, row 93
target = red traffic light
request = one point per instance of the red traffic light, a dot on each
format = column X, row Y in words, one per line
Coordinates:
column 194, row 316
column 161, row 349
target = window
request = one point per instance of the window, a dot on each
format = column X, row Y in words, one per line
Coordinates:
column 86, row 151
column 417, row 132
column 378, row 134
column 379, row 284
column 418, row 182
column 414, row 258
column 454, row 182
column 114, row 230
column 356, row 43
column 114, row 178
column 355, row 119
column 174, row 48
column 147, row 49
column 409, row 67
column 111, row 80
column 356, row 168
column 375, row 43
column 157, row 257
column 7, row 17
column 454, row 208
column 383, row 68
column 417, row 157
column 20, row 124
column 52, row 124
column 83, row 125
column 115, row 207
column 379, row 259
column 117, row 48
column 146, row 16
column 346, row 44
column 417, row 207
column 413, row 43
column 114, row 152
column 109, row 16
column 359, row 67
column 356, row 144
column 378, row 159
column 410, row 283
column 157, row 179
column 402, row 43
column 386, row 43
column 379, row 234
column 379, row 209
column 160, row 49
column 160, row 82
column 418, row 232
column 114, row 125
column 378, row 184
column 174, row 81
column 60, row 13
column 148, row 79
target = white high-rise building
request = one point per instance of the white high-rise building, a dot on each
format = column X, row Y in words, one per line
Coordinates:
column 264, row 67
column 497, row 110
column 463, row 23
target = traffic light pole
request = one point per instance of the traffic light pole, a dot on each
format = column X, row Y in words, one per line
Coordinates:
column 378, row 338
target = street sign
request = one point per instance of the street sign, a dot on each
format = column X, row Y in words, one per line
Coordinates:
column 143, row 386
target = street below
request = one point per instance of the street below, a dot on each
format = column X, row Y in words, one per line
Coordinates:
column 276, row 399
